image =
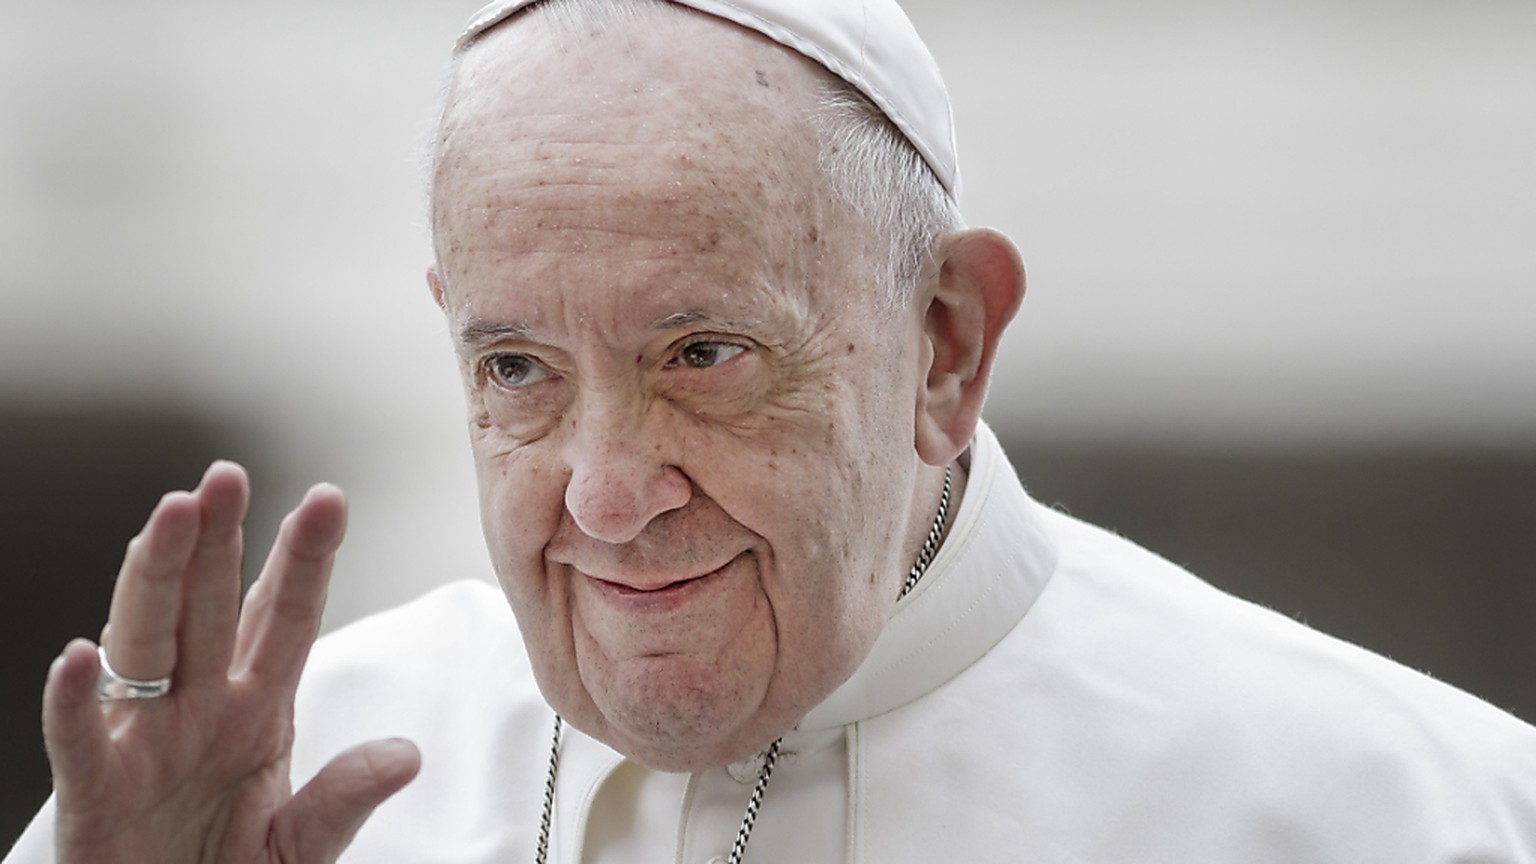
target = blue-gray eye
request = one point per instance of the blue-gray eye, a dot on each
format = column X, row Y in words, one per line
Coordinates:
column 702, row 355
column 515, row 370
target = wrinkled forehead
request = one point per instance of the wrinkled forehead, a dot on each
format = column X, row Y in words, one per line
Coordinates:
column 868, row 43
column 679, row 154
column 680, row 96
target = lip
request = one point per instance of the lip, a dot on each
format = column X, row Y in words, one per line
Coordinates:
column 661, row 598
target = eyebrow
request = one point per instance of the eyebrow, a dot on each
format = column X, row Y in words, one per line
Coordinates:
column 690, row 317
column 480, row 332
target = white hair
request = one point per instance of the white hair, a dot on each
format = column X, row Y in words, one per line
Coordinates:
column 869, row 166
column 873, row 169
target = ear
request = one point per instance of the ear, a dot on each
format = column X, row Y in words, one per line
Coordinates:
column 976, row 288
column 436, row 284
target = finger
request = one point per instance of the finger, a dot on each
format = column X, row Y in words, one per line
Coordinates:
column 282, row 613
column 146, row 602
column 211, row 589
column 74, row 730
column 321, row 820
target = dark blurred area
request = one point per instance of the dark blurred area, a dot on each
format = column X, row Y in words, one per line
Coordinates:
column 77, row 485
column 1423, row 555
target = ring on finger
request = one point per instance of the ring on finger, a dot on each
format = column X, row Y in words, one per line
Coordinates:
column 112, row 687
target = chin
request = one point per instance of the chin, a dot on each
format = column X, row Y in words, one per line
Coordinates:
column 687, row 756
column 677, row 731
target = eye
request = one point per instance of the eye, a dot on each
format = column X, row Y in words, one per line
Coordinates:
column 514, row 370
column 702, row 355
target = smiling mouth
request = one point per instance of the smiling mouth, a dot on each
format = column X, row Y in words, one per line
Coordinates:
column 620, row 589
column 627, row 589
column 630, row 589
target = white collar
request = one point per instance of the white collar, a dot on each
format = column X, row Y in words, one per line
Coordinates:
column 995, row 561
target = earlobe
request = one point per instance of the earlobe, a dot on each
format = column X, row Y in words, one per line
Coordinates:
column 976, row 288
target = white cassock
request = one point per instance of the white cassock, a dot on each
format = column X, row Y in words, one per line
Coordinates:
column 1049, row 693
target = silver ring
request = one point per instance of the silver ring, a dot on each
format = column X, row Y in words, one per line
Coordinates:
column 112, row 687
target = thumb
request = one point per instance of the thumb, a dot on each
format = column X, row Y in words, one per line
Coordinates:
column 321, row 820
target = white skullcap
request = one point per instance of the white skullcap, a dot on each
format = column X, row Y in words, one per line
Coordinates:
column 868, row 43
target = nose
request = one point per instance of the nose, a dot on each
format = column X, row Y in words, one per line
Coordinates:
column 620, row 480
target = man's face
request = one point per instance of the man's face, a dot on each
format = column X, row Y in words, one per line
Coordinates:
column 693, row 430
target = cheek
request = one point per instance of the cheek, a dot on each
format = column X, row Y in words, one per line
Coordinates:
column 521, row 501
column 829, row 611
column 825, row 481
column 833, row 529
column 845, row 486
column 522, row 497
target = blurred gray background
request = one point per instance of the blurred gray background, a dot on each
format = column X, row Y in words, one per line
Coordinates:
column 1282, row 259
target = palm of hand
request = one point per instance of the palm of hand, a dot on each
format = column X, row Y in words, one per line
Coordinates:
column 201, row 775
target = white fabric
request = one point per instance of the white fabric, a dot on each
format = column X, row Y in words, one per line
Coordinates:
column 1051, row 694
column 868, row 43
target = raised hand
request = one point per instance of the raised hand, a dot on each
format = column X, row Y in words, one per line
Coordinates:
column 201, row 774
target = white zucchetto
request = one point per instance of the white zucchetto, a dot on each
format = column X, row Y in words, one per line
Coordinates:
column 868, row 43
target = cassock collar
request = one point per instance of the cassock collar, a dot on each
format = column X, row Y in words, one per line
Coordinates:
column 995, row 561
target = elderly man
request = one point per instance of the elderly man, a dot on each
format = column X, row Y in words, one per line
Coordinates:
column 777, row 595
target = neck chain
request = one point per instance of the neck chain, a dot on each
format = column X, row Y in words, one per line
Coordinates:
column 931, row 542
column 771, row 755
